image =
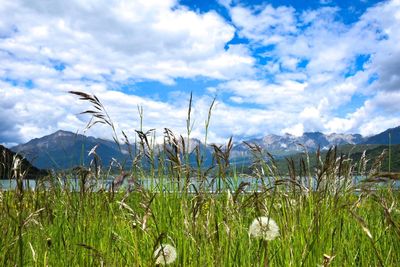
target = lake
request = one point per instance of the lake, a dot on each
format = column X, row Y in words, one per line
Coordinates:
column 166, row 185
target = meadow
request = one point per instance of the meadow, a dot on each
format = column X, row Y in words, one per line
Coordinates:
column 324, row 217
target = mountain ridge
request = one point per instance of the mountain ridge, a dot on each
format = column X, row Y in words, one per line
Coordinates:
column 387, row 137
column 63, row 149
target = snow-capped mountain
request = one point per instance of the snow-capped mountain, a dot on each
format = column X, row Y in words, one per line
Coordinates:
column 64, row 149
column 289, row 144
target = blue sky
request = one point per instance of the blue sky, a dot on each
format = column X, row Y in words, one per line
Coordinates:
column 274, row 67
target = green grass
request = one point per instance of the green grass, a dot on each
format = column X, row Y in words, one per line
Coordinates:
column 336, row 224
column 62, row 228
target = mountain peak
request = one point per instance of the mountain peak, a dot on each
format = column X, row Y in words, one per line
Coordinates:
column 64, row 149
column 391, row 135
column 62, row 133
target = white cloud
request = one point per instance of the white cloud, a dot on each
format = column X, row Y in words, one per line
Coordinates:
column 377, row 114
column 297, row 72
column 296, row 130
column 32, row 114
column 92, row 46
column 225, row 3
column 159, row 40
column 265, row 24
column 287, row 94
column 317, row 53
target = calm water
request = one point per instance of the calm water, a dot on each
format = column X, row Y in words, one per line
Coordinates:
column 154, row 184
column 212, row 185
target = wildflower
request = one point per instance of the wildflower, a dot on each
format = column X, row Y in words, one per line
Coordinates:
column 165, row 254
column 265, row 228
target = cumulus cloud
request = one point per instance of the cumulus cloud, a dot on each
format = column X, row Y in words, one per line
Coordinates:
column 265, row 24
column 316, row 62
column 289, row 71
column 375, row 115
column 32, row 113
column 118, row 40
column 50, row 47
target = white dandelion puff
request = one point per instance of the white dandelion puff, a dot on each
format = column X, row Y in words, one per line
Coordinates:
column 165, row 254
column 265, row 228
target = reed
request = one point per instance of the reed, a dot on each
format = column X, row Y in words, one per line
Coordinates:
column 195, row 215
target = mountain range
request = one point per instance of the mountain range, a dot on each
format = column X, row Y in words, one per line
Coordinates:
column 64, row 149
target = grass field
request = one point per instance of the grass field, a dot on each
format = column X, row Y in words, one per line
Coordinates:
column 54, row 227
column 329, row 221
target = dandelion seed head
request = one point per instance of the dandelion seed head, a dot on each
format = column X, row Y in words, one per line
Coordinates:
column 165, row 254
column 265, row 228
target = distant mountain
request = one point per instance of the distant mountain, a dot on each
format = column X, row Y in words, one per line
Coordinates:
column 383, row 137
column 290, row 144
column 6, row 165
column 355, row 152
column 62, row 150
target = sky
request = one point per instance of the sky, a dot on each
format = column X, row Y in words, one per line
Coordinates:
column 273, row 67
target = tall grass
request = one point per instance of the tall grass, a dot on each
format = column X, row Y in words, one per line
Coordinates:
column 324, row 219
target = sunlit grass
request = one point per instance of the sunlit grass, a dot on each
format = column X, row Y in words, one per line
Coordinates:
column 327, row 221
column 69, row 229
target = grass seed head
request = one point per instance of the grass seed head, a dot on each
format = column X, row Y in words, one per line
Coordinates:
column 165, row 254
column 265, row 228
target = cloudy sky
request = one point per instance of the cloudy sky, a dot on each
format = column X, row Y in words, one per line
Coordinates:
column 273, row 66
